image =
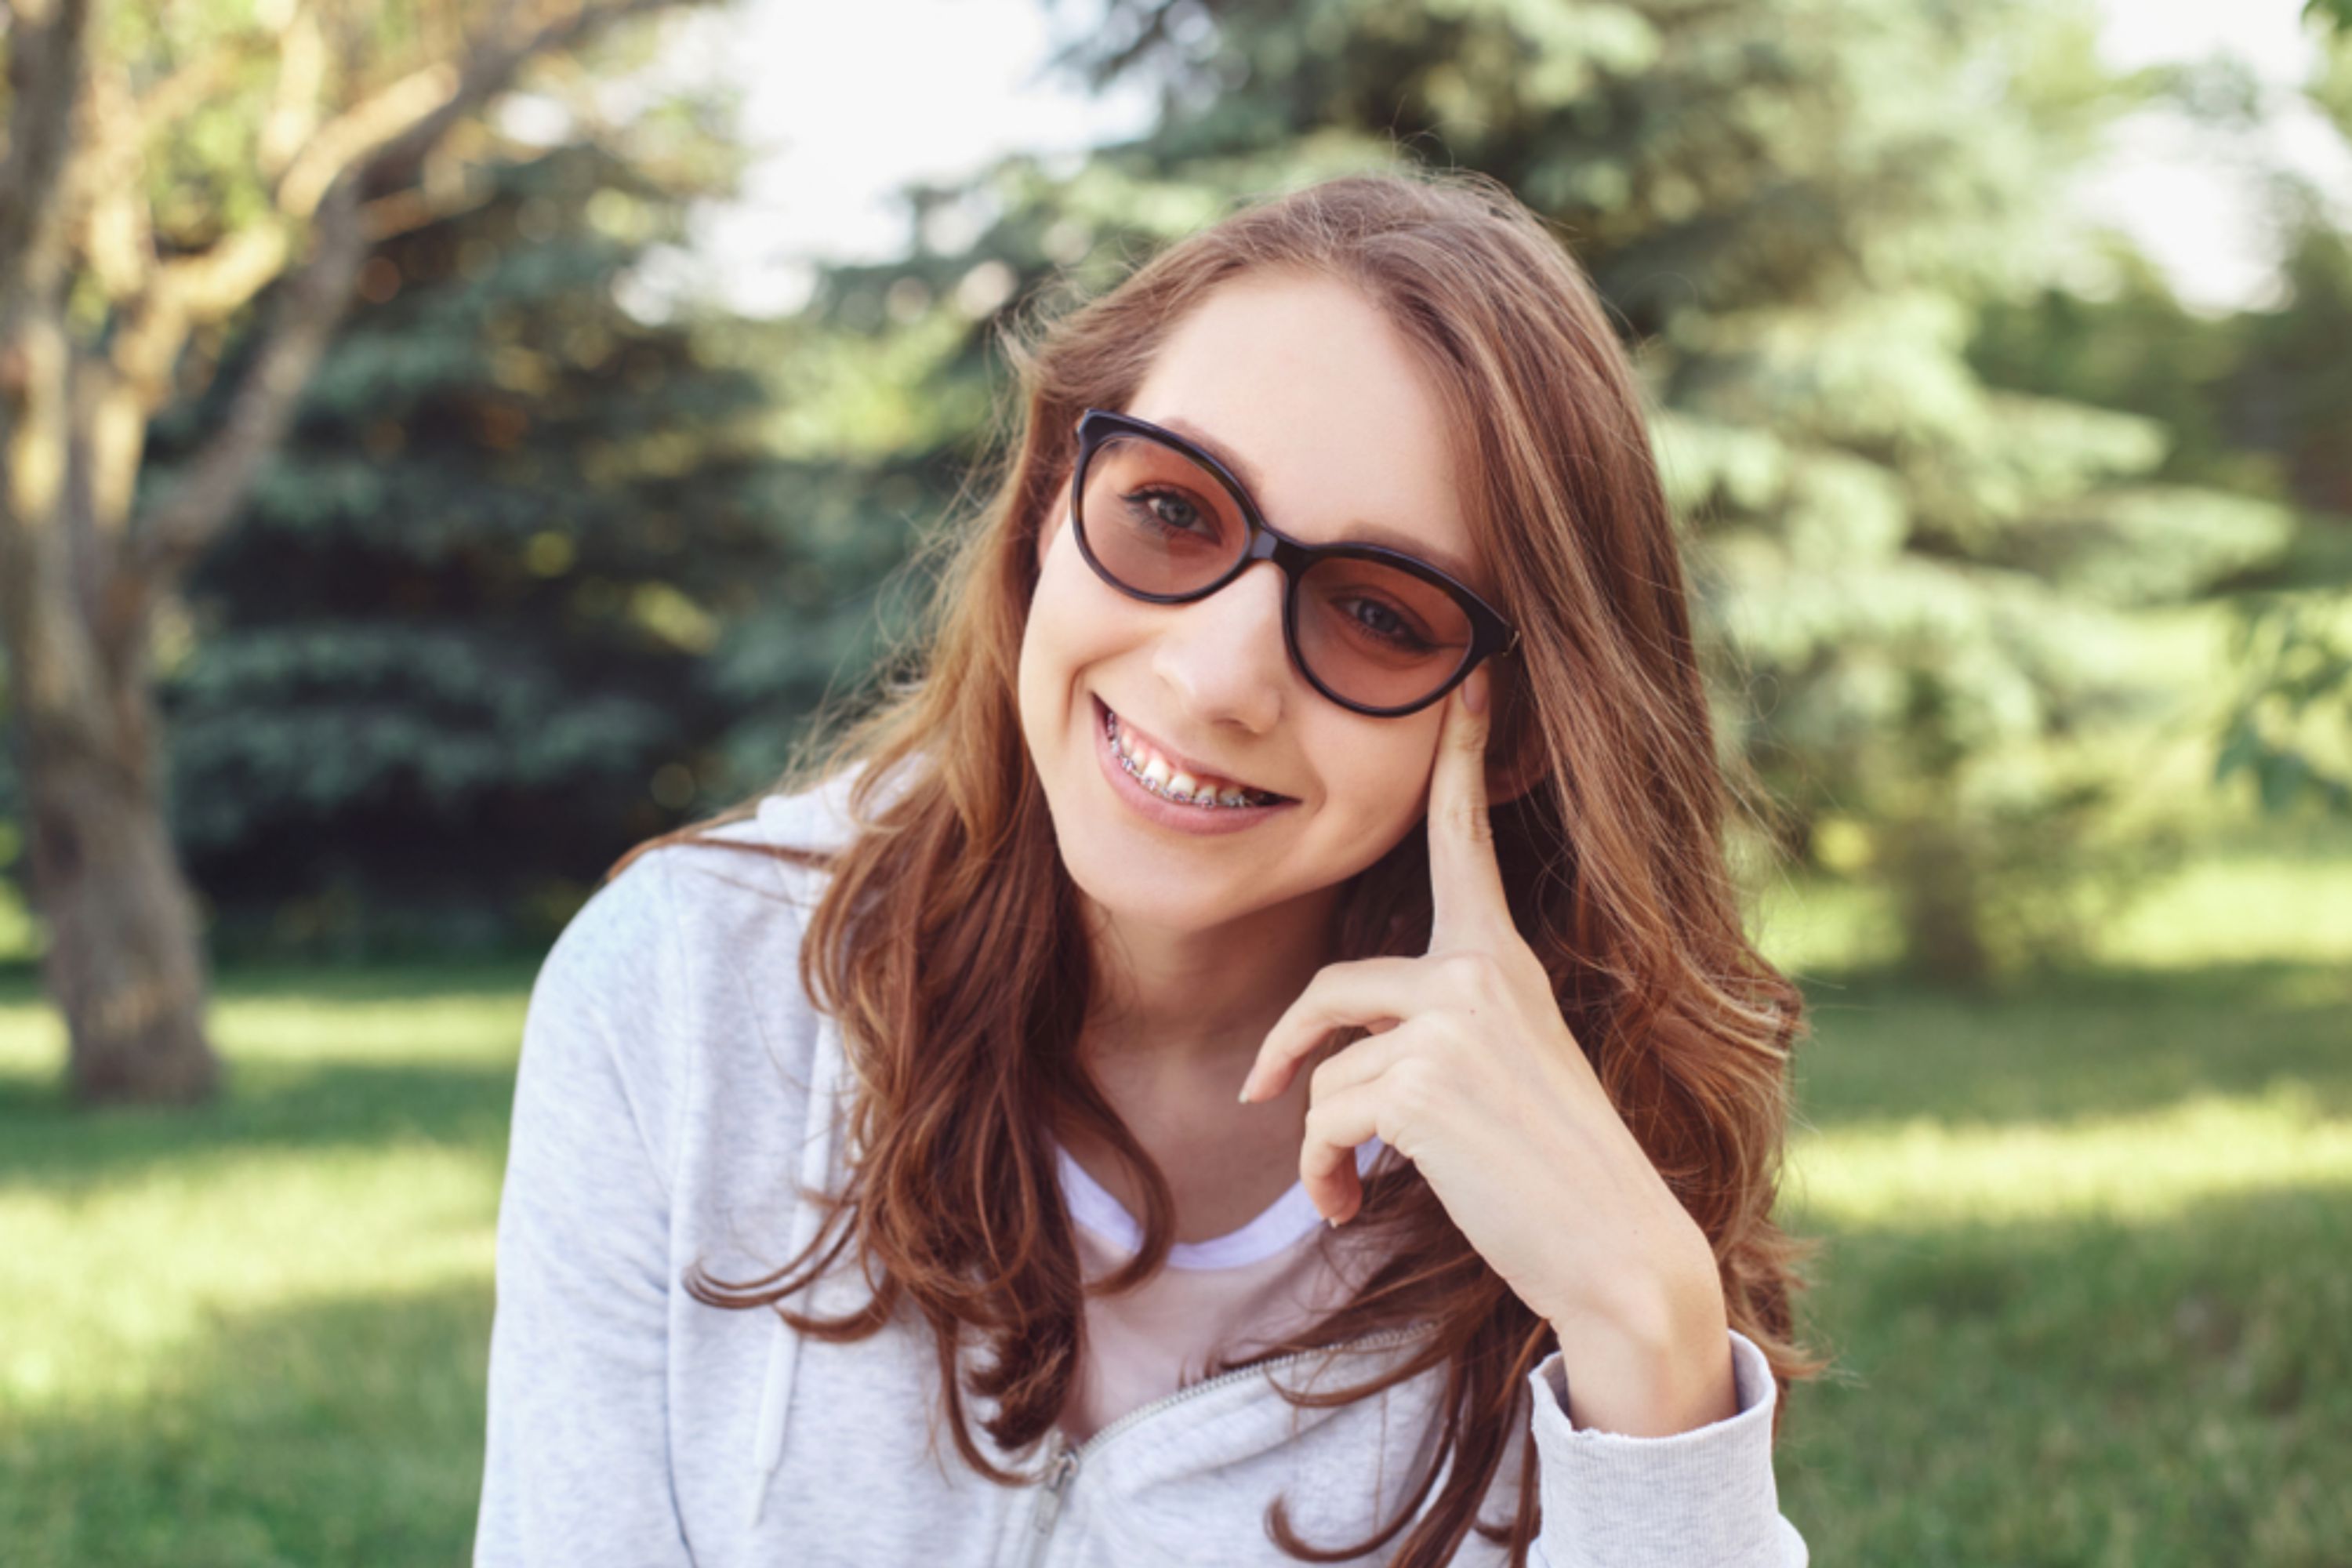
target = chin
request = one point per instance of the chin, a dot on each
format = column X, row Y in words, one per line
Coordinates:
column 1155, row 892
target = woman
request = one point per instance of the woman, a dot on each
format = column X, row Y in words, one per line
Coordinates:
column 1312, row 714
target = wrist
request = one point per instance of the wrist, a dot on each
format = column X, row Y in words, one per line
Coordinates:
column 1653, row 1368
column 1659, row 1310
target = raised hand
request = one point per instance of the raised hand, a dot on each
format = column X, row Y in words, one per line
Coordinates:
column 1475, row 1076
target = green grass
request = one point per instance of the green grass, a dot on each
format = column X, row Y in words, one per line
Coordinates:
column 2086, row 1280
column 255, row 1334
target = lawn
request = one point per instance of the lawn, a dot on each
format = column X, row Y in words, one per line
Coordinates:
column 2088, row 1275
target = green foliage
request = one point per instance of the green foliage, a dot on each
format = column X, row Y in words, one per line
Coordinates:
column 2136, row 350
column 459, row 628
column 2261, row 399
column 2292, row 730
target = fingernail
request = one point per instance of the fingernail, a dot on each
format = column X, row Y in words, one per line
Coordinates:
column 1474, row 692
column 1244, row 1100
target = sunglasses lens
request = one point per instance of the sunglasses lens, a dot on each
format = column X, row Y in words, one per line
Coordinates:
column 1158, row 522
column 1377, row 635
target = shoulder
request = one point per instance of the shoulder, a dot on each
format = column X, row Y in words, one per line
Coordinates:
column 738, row 903
column 743, row 853
column 678, row 906
column 659, row 980
column 739, row 893
column 676, row 986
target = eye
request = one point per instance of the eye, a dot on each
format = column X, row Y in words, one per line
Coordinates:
column 1168, row 511
column 1382, row 624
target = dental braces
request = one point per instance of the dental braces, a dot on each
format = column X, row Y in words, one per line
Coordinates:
column 1250, row 798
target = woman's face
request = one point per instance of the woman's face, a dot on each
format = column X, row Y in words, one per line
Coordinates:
column 1310, row 387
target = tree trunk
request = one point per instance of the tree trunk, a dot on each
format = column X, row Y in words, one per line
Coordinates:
column 1938, row 880
column 123, row 961
column 78, row 573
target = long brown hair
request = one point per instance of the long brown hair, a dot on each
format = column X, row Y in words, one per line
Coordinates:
column 949, row 944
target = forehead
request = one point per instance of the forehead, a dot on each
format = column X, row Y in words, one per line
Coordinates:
column 1322, row 408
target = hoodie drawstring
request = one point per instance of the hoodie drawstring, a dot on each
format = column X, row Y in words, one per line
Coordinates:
column 783, row 1351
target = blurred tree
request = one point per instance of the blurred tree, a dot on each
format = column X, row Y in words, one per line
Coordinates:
column 2289, row 729
column 456, row 628
column 1920, row 589
column 163, row 168
column 878, row 399
column 2256, row 401
column 2127, row 343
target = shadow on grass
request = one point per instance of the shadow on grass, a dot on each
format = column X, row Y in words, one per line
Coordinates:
column 2097, row 1043
column 47, row 1142
column 2162, row 1394
column 347, row 1431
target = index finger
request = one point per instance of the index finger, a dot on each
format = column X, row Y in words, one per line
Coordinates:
column 1466, row 882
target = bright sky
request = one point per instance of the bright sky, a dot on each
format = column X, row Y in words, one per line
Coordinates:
column 845, row 98
column 2182, row 193
column 849, row 98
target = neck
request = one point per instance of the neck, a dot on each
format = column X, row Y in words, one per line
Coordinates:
column 1201, row 1002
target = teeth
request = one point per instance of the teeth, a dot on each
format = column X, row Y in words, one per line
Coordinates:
column 1172, row 783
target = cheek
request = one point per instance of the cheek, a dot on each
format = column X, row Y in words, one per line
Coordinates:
column 1384, row 788
column 1069, row 626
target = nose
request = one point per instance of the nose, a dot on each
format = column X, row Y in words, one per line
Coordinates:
column 1223, row 656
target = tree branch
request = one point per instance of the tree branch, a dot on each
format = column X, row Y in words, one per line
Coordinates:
column 164, row 539
column 388, row 131
column 45, row 74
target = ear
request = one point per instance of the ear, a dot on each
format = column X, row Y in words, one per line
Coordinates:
column 1509, row 777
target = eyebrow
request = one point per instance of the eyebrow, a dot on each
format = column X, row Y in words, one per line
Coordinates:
column 1364, row 532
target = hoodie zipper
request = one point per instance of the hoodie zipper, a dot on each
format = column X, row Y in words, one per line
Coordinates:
column 1062, row 1467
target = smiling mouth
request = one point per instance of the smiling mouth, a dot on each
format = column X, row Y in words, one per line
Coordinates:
column 1163, row 778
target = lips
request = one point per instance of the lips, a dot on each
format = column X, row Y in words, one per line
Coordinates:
column 1193, row 765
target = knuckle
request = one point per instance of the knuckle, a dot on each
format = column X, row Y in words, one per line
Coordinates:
column 1415, row 1083
column 1469, row 970
column 1322, row 1081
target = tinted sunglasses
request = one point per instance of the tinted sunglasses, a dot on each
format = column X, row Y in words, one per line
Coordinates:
column 1376, row 630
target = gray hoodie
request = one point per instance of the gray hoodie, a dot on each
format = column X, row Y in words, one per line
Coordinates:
column 675, row 1086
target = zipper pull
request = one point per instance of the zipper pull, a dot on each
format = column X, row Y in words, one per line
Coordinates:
column 1058, row 1480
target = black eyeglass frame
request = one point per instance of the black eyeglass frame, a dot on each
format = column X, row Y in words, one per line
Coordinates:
column 1490, row 634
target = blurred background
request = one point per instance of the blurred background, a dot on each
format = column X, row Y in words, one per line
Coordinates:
column 442, row 444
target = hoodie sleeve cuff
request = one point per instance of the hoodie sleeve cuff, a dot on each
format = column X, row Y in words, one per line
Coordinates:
column 1701, row 1499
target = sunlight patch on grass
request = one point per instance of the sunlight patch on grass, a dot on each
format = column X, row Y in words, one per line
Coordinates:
column 2237, row 910
column 101, row 1293
column 2152, row 1165
column 305, row 1030
column 422, row 1031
